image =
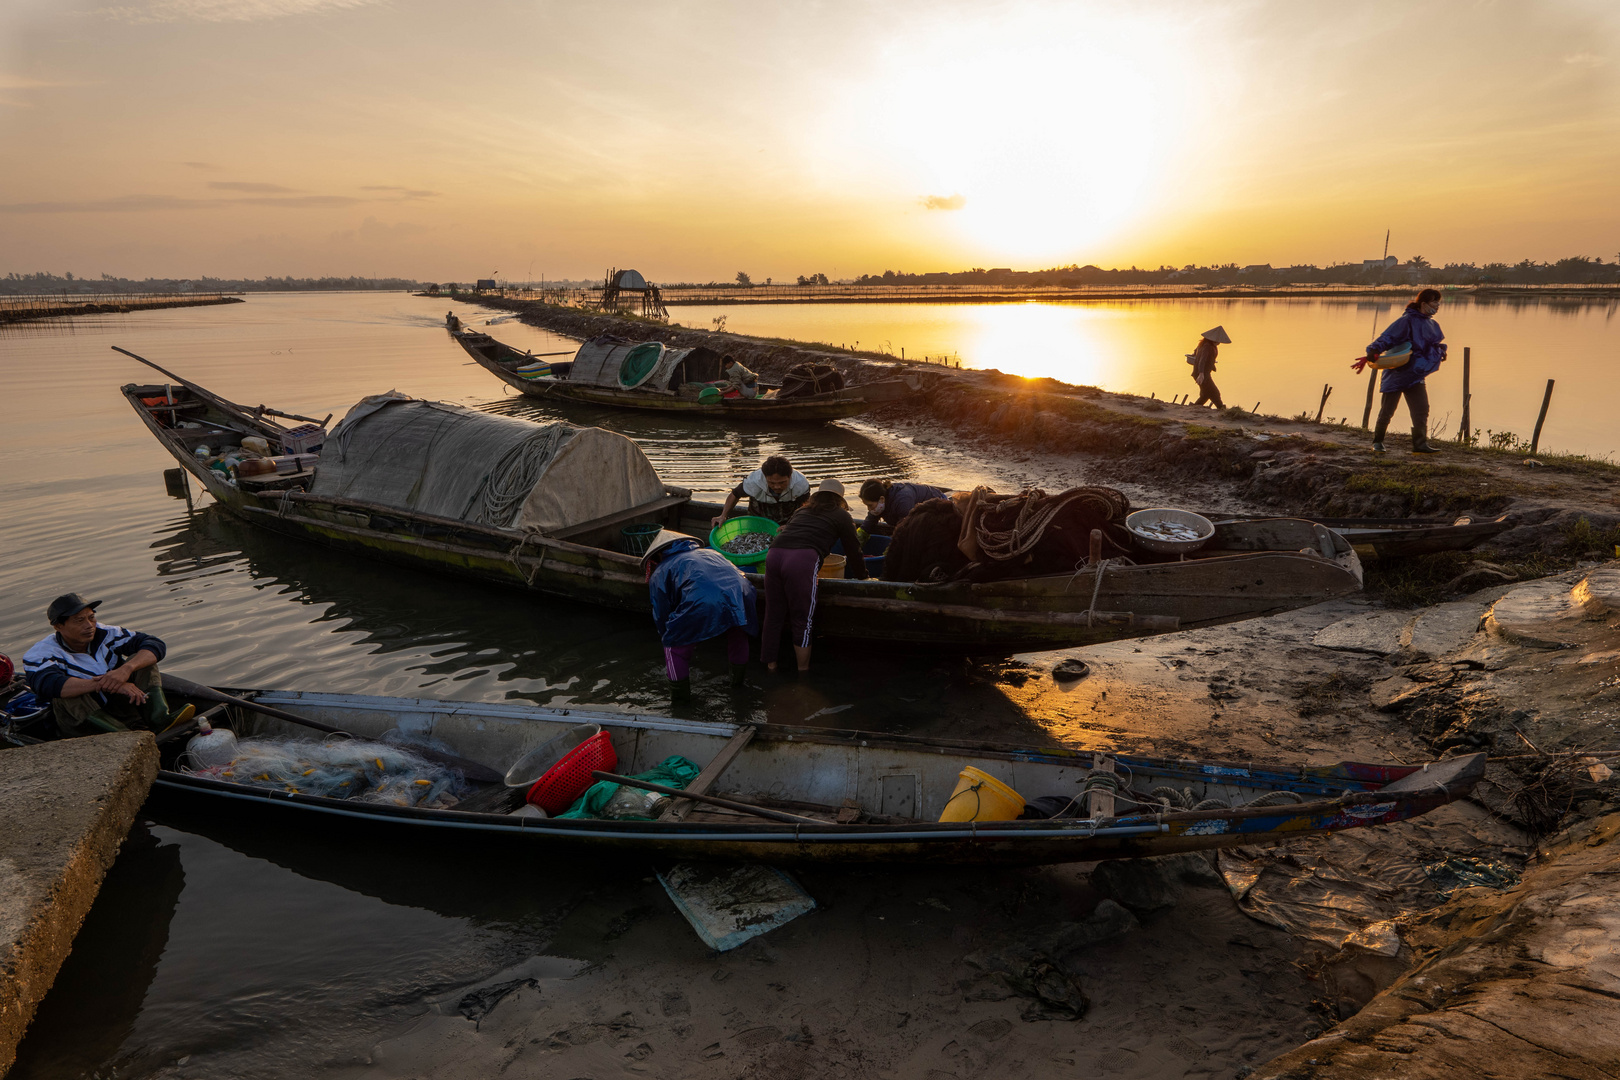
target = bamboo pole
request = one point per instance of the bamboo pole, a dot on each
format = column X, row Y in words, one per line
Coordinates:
column 1546, row 399
column 1465, row 432
column 1326, row 393
column 1372, row 385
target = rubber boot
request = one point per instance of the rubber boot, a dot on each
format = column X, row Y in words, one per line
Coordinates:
column 680, row 691
column 1420, row 442
column 737, row 673
column 1378, row 438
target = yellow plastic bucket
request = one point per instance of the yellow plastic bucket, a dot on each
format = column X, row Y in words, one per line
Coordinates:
column 832, row 566
column 981, row 797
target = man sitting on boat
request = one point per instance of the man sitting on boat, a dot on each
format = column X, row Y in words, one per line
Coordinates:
column 774, row 491
column 697, row 595
column 97, row 678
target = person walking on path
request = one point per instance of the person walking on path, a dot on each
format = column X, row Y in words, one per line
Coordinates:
column 697, row 594
column 97, row 677
column 794, row 565
column 1202, row 360
column 1417, row 329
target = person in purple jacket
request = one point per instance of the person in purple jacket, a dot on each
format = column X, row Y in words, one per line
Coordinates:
column 888, row 502
column 1416, row 327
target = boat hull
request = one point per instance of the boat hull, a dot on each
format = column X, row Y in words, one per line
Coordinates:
column 816, row 408
column 880, row 772
column 1264, row 573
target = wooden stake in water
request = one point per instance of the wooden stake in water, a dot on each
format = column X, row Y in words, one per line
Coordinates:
column 1372, row 384
column 1546, row 399
column 1326, row 392
column 1465, row 433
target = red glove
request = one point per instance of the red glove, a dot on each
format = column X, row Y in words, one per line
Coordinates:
column 1361, row 365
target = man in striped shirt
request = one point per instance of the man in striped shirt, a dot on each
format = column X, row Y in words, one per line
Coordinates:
column 96, row 677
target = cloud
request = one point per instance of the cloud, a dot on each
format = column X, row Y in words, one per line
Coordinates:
column 250, row 186
column 223, row 11
column 146, row 204
column 409, row 193
column 1586, row 59
column 199, row 165
column 943, row 202
column 23, row 82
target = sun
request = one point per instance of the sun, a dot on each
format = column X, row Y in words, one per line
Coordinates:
column 1051, row 129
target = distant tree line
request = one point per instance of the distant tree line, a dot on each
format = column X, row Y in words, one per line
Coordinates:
column 1572, row 271
column 28, row 284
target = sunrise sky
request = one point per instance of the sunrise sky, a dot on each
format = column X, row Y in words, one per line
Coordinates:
column 449, row 141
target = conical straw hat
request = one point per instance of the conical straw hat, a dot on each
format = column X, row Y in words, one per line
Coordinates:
column 1218, row 334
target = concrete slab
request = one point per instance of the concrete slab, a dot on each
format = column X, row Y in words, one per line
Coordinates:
column 1377, row 632
column 1544, row 614
column 67, row 807
column 1445, row 628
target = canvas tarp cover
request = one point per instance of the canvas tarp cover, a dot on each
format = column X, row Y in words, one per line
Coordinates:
column 598, row 361
column 454, row 462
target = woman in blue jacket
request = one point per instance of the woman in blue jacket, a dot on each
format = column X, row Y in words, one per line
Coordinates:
column 1417, row 327
column 697, row 595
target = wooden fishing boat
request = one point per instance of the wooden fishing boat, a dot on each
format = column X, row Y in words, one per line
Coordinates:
column 850, row 796
column 1390, row 538
column 664, row 389
column 1249, row 569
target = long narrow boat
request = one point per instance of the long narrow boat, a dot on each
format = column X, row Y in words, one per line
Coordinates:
column 663, row 390
column 1249, row 569
column 862, row 796
column 1398, row 537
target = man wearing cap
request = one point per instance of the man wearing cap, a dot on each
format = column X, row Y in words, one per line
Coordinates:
column 95, row 677
column 1202, row 360
column 697, row 594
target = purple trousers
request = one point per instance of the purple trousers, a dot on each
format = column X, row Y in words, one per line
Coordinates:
column 678, row 659
column 790, row 598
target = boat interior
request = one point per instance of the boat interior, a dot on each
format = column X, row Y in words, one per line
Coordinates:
column 833, row 776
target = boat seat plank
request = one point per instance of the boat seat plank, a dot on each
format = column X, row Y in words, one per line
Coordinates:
column 662, row 503
column 711, row 772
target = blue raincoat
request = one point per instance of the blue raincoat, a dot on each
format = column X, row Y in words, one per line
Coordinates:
column 1427, row 351
column 698, row 595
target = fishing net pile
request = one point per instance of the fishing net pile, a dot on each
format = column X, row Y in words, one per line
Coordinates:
column 990, row 536
column 339, row 768
column 802, row 380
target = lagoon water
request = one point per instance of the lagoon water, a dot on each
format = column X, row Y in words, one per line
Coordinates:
column 1282, row 351
column 216, row 950
column 272, row 955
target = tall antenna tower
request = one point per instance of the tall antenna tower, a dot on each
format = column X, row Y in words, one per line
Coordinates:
column 1386, row 243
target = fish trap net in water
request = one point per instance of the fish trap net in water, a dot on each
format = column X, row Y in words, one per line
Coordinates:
column 339, row 768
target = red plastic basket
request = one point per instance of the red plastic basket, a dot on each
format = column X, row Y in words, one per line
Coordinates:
column 567, row 780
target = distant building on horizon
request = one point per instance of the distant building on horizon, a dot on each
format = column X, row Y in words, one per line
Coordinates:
column 1388, row 262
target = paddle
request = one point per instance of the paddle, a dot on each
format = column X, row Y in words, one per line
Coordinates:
column 472, row 770
column 678, row 793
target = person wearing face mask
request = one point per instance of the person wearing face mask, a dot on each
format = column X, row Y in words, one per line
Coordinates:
column 889, row 501
column 1417, row 328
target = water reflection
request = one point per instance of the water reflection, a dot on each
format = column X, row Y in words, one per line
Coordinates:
column 352, row 625
column 115, row 956
column 1283, row 351
column 710, row 457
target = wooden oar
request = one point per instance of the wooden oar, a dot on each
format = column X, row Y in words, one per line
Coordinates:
column 711, row 772
column 472, row 770
column 727, row 804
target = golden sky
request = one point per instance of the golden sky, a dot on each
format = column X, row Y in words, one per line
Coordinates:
column 691, row 140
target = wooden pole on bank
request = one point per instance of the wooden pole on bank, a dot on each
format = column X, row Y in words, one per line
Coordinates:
column 1326, row 392
column 1465, row 433
column 1372, row 384
column 1546, row 399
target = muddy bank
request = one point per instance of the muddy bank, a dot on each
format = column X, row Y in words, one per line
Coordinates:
column 1229, row 460
column 25, row 312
